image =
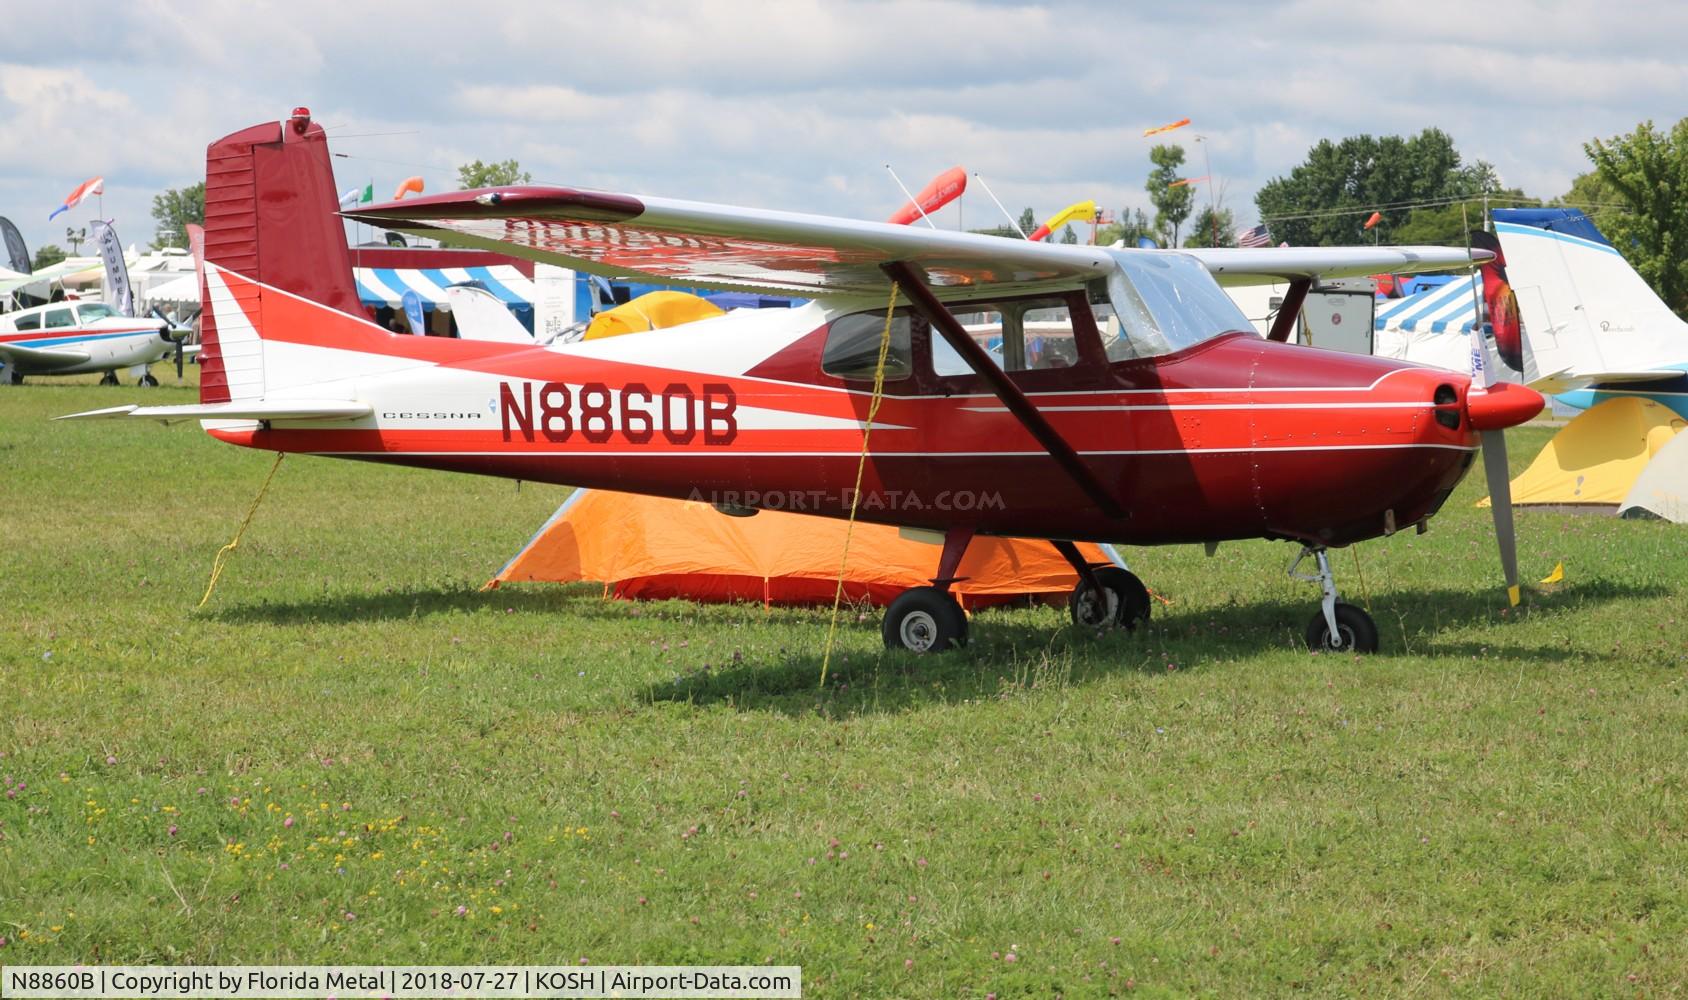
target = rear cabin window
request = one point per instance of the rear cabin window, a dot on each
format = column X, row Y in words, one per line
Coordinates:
column 852, row 347
column 1022, row 336
column 30, row 322
column 57, row 318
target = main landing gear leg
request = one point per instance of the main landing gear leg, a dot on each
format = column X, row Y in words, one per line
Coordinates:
column 929, row 619
column 1105, row 596
column 1338, row 627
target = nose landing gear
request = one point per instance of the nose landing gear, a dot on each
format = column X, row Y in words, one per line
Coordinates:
column 1338, row 627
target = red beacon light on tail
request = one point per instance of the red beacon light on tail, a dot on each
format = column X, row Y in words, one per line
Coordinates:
column 299, row 120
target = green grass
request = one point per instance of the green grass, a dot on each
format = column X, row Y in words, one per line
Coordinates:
column 1493, row 805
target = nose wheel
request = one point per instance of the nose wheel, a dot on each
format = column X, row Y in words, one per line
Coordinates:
column 1338, row 627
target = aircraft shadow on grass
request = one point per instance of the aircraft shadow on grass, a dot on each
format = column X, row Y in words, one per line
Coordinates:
column 1006, row 653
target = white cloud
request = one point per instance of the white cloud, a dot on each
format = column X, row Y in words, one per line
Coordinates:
column 799, row 104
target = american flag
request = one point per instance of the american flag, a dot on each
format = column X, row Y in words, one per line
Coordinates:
column 1255, row 237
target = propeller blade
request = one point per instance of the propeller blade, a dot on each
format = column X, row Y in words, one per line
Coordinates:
column 1500, row 503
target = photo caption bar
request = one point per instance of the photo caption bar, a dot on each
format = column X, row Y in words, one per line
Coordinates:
column 402, row 981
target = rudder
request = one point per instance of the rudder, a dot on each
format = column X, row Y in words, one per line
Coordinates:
column 270, row 215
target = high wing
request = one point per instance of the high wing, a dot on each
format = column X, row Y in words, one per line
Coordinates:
column 1231, row 266
column 256, row 409
column 747, row 249
column 41, row 358
column 719, row 246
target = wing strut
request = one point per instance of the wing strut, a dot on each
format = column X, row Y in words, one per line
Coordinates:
column 913, row 284
column 1284, row 324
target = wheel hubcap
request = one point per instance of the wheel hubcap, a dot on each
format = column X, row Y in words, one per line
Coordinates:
column 918, row 631
column 1098, row 608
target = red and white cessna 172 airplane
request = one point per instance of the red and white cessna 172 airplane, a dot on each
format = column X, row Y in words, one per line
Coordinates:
column 1161, row 417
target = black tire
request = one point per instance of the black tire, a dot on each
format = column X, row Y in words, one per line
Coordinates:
column 1356, row 631
column 147, row 380
column 14, row 377
column 1128, row 600
column 110, row 378
column 924, row 620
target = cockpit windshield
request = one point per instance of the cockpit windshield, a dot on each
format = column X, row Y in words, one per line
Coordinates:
column 1163, row 302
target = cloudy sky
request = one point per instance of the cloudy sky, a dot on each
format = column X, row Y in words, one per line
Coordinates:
column 799, row 104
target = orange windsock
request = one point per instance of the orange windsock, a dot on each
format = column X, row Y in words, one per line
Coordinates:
column 406, row 186
column 1183, row 181
column 1180, row 123
column 945, row 188
column 1376, row 217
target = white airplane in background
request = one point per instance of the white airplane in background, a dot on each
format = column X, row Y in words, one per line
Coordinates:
column 1595, row 327
column 74, row 338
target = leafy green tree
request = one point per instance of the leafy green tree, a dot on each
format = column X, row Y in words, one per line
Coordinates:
column 1027, row 221
column 480, row 175
column 1598, row 199
column 48, row 255
column 1172, row 204
column 173, row 210
column 1326, row 199
column 1213, row 229
column 1132, row 224
column 1649, row 169
column 1068, row 236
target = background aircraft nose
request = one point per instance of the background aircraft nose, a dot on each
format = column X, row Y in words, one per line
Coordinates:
column 1504, row 404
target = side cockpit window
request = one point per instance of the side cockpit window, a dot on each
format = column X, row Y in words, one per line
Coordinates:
column 852, row 347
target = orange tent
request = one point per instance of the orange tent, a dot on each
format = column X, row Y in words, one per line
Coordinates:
column 652, row 548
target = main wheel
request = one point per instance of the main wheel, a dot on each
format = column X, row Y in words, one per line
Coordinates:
column 109, row 378
column 1355, row 632
column 148, row 380
column 1123, row 600
column 14, row 377
column 924, row 620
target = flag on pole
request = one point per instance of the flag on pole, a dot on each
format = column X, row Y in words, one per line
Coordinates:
column 84, row 190
column 1180, row 123
column 118, row 294
column 353, row 197
column 1255, row 237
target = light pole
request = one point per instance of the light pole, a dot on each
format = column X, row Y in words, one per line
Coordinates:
column 1212, row 208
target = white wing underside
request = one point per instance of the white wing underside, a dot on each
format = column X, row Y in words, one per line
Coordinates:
column 718, row 246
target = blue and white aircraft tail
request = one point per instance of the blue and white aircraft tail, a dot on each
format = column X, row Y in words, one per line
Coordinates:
column 1594, row 327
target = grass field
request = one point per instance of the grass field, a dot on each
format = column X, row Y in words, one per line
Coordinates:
column 353, row 755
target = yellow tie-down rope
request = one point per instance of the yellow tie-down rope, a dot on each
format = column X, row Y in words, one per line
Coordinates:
column 224, row 552
column 861, row 466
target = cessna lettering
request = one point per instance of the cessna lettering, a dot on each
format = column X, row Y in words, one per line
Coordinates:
column 681, row 414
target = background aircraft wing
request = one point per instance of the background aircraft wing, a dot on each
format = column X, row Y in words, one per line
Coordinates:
column 1232, row 266
column 41, row 358
column 719, row 246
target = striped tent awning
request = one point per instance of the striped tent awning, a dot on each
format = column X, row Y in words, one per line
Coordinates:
column 385, row 286
column 1451, row 308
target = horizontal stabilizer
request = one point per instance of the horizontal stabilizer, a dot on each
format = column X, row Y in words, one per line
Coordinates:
column 250, row 409
column 1567, row 381
column 41, row 357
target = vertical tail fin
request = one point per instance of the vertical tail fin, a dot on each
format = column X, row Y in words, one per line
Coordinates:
column 1585, row 310
column 270, row 215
